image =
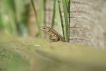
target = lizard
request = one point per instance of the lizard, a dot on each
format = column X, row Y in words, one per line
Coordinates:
column 55, row 35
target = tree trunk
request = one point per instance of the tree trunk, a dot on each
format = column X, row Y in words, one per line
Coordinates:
column 87, row 18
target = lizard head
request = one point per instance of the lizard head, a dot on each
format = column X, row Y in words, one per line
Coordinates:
column 45, row 28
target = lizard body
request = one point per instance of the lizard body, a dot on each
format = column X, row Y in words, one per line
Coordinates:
column 55, row 35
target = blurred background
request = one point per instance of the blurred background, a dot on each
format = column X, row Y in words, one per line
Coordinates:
column 82, row 22
column 78, row 21
column 15, row 16
column 20, row 18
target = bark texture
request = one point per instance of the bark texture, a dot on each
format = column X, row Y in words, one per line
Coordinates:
column 87, row 18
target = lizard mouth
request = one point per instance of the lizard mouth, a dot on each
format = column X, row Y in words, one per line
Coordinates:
column 41, row 28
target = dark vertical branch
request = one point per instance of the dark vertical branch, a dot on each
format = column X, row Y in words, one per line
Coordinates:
column 53, row 15
column 44, row 17
column 44, row 12
column 69, row 3
column 49, row 12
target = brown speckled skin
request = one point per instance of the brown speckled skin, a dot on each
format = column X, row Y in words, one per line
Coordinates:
column 55, row 35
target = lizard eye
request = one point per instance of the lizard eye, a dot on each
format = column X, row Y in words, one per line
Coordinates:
column 44, row 28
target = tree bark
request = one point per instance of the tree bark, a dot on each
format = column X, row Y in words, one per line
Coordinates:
column 87, row 20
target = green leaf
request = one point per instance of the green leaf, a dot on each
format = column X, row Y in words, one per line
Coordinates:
column 66, row 26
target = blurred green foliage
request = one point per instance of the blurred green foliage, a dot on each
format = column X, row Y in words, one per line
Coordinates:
column 13, row 16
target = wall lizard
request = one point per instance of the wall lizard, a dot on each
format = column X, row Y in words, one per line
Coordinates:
column 55, row 35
